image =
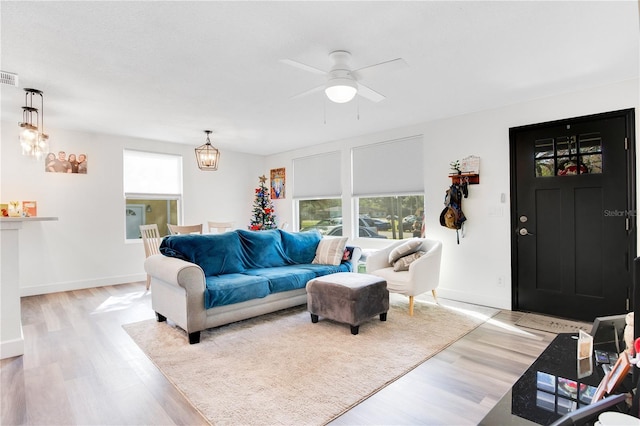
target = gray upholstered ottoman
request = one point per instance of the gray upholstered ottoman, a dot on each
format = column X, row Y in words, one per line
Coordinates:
column 348, row 298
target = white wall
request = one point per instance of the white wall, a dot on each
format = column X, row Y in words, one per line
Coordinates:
column 86, row 247
column 479, row 269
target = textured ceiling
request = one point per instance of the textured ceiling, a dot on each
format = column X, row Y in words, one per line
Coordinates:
column 168, row 70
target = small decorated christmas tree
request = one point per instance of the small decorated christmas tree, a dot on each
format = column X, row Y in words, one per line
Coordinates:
column 263, row 215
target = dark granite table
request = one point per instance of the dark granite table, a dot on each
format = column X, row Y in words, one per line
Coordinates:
column 555, row 384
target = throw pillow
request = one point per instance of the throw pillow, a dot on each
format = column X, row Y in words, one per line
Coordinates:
column 330, row 251
column 403, row 263
column 348, row 253
column 410, row 246
column 300, row 247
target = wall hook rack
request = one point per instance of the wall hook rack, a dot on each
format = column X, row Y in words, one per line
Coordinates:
column 467, row 171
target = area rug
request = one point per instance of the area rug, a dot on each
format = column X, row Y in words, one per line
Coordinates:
column 552, row 324
column 282, row 369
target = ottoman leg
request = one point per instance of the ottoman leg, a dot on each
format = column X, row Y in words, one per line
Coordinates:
column 383, row 316
column 314, row 318
column 355, row 329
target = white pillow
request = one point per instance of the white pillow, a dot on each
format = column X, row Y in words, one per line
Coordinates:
column 403, row 263
column 411, row 246
column 330, row 251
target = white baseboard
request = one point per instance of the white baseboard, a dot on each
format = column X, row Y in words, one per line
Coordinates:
column 11, row 348
column 80, row 285
column 475, row 298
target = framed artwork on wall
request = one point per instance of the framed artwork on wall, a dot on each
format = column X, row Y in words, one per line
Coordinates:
column 278, row 180
column 60, row 162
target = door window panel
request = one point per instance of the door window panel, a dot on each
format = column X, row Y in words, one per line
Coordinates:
column 545, row 167
column 544, row 148
column 568, row 155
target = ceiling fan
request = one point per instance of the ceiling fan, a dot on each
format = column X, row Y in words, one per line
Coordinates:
column 343, row 83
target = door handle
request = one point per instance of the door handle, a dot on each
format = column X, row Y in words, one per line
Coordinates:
column 524, row 231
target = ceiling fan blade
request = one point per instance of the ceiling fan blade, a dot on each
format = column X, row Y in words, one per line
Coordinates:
column 302, row 66
column 369, row 93
column 392, row 64
column 308, row 92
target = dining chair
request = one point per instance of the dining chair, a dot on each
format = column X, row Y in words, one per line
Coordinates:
column 151, row 240
column 221, row 227
column 184, row 229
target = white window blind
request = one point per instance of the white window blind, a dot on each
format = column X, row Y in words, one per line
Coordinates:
column 393, row 167
column 152, row 173
column 317, row 176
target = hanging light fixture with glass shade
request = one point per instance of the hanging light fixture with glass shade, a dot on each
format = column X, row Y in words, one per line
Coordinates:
column 33, row 140
column 207, row 155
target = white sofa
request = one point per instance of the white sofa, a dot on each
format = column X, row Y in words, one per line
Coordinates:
column 423, row 274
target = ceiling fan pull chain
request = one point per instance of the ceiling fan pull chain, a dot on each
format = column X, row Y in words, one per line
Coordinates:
column 324, row 111
column 358, row 107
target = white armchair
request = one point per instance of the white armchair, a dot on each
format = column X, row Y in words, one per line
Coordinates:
column 423, row 274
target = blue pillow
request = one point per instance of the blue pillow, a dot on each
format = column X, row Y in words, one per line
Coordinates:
column 262, row 249
column 300, row 247
column 216, row 254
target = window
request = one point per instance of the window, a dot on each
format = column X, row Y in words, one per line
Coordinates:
column 325, row 215
column 395, row 217
column 317, row 189
column 568, row 155
column 152, row 190
column 388, row 183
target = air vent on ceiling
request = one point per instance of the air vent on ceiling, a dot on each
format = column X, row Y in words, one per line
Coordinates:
column 9, row 78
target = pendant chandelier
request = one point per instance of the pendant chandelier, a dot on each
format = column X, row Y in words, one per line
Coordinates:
column 34, row 141
column 207, row 155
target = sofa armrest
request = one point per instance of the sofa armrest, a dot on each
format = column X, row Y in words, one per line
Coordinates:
column 176, row 272
column 177, row 291
column 355, row 257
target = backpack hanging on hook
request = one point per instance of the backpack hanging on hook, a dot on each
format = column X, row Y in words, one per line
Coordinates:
column 452, row 216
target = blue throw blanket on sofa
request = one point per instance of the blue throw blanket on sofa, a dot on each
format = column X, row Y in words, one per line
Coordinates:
column 243, row 265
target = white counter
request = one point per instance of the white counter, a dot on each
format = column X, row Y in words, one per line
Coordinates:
column 11, row 338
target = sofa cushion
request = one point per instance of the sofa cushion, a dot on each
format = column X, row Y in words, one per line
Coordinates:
column 216, row 254
column 283, row 278
column 234, row 288
column 263, row 249
column 406, row 248
column 330, row 251
column 320, row 270
column 300, row 247
column 403, row 263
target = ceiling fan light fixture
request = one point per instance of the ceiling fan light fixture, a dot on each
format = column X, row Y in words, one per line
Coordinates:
column 341, row 90
column 207, row 155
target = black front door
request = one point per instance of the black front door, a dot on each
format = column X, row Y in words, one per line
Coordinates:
column 573, row 215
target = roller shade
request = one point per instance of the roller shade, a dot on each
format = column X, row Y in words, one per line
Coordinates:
column 317, row 176
column 393, row 167
column 152, row 173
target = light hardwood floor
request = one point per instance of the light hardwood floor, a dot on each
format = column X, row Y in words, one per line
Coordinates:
column 81, row 367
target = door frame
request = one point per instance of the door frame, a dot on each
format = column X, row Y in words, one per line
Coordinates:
column 629, row 116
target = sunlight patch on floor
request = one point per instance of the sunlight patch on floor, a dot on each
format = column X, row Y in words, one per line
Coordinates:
column 489, row 319
column 116, row 303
